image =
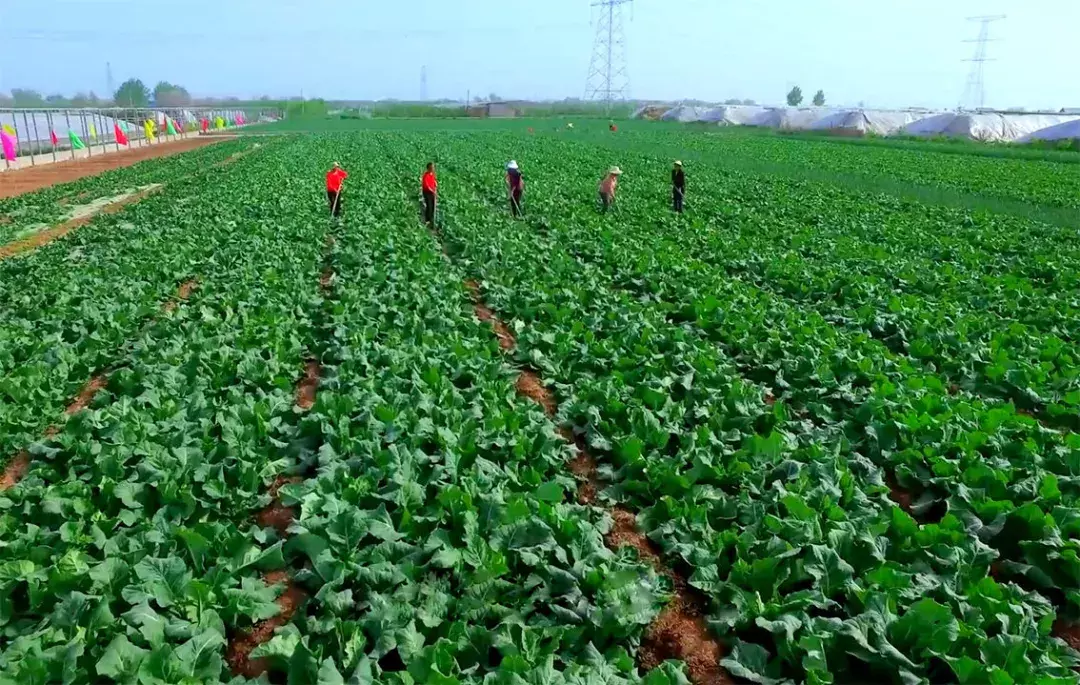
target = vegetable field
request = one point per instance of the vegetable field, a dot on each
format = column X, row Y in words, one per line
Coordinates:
column 808, row 431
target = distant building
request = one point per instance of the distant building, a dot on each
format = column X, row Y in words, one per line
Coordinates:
column 497, row 110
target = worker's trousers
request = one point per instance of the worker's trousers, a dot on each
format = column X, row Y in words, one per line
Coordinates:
column 429, row 207
column 605, row 201
column 515, row 201
column 334, row 198
column 677, row 199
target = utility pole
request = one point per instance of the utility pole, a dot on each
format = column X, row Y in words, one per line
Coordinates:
column 423, row 83
column 975, row 89
column 608, row 79
column 109, row 80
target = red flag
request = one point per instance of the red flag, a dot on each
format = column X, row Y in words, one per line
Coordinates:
column 120, row 137
column 205, row 125
column 55, row 140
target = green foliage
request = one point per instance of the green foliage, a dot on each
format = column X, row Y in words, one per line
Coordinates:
column 819, row 98
column 306, row 109
column 169, row 95
column 132, row 93
column 795, row 97
column 751, row 377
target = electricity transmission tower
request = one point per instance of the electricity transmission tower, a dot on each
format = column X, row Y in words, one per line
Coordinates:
column 608, row 79
column 975, row 90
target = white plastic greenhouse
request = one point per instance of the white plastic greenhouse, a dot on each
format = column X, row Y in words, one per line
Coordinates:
column 861, row 122
column 990, row 127
column 1068, row 130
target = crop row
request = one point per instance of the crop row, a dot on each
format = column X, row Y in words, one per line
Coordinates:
column 997, row 334
column 68, row 308
column 1045, row 183
column 785, row 525
column 129, row 551
column 1017, row 480
column 24, row 213
column 432, row 535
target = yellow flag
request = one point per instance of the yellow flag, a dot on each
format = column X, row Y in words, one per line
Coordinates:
column 149, row 127
column 93, row 132
column 8, row 130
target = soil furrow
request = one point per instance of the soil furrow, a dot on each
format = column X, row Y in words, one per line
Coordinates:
column 279, row 517
column 20, row 463
column 679, row 632
column 28, row 179
column 238, row 653
column 48, row 235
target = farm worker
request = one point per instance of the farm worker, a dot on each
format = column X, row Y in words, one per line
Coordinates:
column 678, row 186
column 429, row 186
column 612, row 127
column 607, row 188
column 569, row 125
column 334, row 179
column 515, row 186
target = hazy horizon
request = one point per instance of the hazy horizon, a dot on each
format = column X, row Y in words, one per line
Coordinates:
column 705, row 50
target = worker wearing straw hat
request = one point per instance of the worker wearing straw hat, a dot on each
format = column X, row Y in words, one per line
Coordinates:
column 515, row 187
column 608, row 186
column 678, row 186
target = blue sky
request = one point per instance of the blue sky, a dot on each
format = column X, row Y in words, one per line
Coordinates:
column 878, row 52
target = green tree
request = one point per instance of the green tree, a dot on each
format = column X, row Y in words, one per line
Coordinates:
column 819, row 98
column 171, row 95
column 24, row 97
column 132, row 93
column 57, row 100
column 794, row 98
column 84, row 100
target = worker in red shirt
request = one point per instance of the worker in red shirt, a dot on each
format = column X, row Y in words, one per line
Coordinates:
column 334, row 179
column 429, row 186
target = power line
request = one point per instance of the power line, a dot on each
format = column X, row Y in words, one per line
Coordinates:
column 608, row 78
column 975, row 88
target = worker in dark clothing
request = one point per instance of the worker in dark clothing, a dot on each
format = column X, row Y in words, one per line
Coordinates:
column 515, row 186
column 678, row 187
column 429, row 186
column 334, row 180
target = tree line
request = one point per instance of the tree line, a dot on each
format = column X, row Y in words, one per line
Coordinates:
column 795, row 97
column 131, row 93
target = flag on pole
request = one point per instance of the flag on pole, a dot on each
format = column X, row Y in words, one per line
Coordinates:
column 120, row 137
column 76, row 142
column 8, row 143
column 169, row 128
column 10, row 131
column 205, row 125
column 219, row 122
column 93, row 132
column 52, row 136
column 148, row 126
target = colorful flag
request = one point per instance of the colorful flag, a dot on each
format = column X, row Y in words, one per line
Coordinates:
column 205, row 125
column 76, row 142
column 52, row 136
column 148, row 126
column 10, row 131
column 169, row 128
column 219, row 122
column 9, row 144
column 93, row 132
column 120, row 137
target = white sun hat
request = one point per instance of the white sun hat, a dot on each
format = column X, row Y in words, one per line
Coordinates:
column 615, row 170
column 512, row 164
